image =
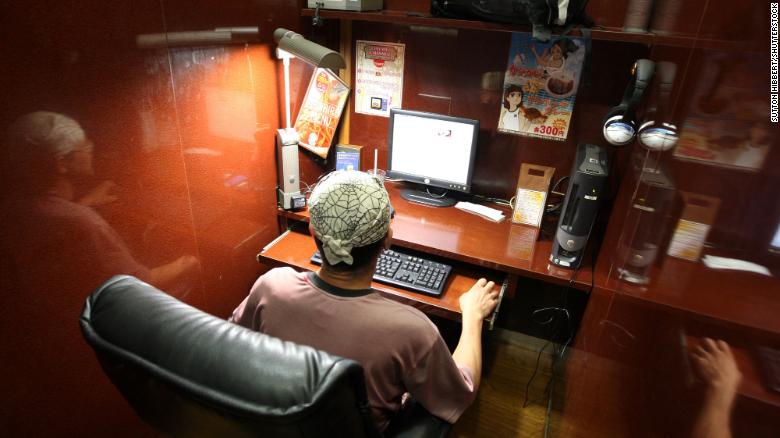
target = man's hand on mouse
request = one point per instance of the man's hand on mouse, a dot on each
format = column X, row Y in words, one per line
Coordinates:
column 479, row 301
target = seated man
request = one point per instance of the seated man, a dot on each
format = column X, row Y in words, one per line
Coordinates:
column 336, row 310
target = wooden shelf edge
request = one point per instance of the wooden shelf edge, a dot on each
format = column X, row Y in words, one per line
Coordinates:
column 444, row 306
column 416, row 18
column 581, row 282
column 598, row 33
column 674, row 308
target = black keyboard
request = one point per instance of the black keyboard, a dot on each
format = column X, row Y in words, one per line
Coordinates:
column 409, row 272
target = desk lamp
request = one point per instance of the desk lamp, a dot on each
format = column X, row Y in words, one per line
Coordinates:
column 293, row 45
column 218, row 36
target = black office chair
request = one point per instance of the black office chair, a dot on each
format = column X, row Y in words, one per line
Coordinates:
column 187, row 373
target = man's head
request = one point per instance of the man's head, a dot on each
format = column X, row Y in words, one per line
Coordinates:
column 350, row 218
column 43, row 144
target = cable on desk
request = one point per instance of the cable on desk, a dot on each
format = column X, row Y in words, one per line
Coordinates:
column 557, row 183
column 550, row 207
column 498, row 201
column 435, row 195
column 309, row 187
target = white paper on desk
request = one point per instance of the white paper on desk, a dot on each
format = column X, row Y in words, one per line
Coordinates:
column 714, row 262
column 480, row 210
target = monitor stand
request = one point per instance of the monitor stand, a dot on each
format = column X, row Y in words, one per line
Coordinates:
column 423, row 197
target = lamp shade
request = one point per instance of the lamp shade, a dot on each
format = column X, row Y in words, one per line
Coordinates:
column 309, row 52
column 218, row 36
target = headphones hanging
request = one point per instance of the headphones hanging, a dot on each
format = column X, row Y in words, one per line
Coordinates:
column 658, row 133
column 619, row 124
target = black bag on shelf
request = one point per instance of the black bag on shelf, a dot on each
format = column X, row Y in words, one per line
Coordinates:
column 540, row 14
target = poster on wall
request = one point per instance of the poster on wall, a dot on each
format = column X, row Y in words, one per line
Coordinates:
column 379, row 77
column 725, row 123
column 320, row 111
column 540, row 85
column 735, row 144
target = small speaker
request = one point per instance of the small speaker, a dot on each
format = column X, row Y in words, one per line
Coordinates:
column 587, row 183
column 289, row 188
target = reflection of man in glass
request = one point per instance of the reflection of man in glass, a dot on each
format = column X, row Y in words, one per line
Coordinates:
column 54, row 250
column 48, row 229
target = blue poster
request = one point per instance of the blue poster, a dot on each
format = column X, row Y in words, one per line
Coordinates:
column 347, row 160
column 540, row 85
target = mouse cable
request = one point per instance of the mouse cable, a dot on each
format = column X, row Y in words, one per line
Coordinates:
column 554, row 334
column 498, row 201
column 436, row 195
column 557, row 183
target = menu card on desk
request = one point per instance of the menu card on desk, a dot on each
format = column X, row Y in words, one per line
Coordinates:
column 531, row 195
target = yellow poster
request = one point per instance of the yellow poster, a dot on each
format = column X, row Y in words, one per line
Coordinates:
column 321, row 110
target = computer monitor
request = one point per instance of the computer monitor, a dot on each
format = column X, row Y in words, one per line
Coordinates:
column 433, row 150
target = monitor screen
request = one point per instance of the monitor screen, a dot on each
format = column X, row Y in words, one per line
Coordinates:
column 432, row 149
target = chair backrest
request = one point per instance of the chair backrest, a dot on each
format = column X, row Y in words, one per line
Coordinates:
column 188, row 373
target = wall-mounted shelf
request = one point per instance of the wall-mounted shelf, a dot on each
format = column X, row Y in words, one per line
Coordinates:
column 419, row 19
column 597, row 33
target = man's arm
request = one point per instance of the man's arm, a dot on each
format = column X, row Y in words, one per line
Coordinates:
column 715, row 364
column 475, row 305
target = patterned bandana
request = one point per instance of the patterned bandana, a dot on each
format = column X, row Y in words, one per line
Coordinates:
column 348, row 209
column 53, row 134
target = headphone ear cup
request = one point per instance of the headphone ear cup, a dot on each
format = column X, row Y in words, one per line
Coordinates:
column 616, row 130
column 657, row 136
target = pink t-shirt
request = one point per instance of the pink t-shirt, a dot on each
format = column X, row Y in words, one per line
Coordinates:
column 399, row 348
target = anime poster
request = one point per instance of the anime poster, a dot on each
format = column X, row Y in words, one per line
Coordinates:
column 540, row 85
column 320, row 111
column 379, row 77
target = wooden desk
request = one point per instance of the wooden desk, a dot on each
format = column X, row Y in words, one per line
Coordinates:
column 474, row 246
column 458, row 235
column 294, row 248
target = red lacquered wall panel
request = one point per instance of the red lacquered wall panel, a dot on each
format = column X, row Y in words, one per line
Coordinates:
column 180, row 191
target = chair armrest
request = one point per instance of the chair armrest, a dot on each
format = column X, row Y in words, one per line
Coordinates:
column 416, row 422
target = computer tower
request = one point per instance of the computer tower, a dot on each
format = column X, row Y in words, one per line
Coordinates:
column 648, row 225
column 587, row 183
